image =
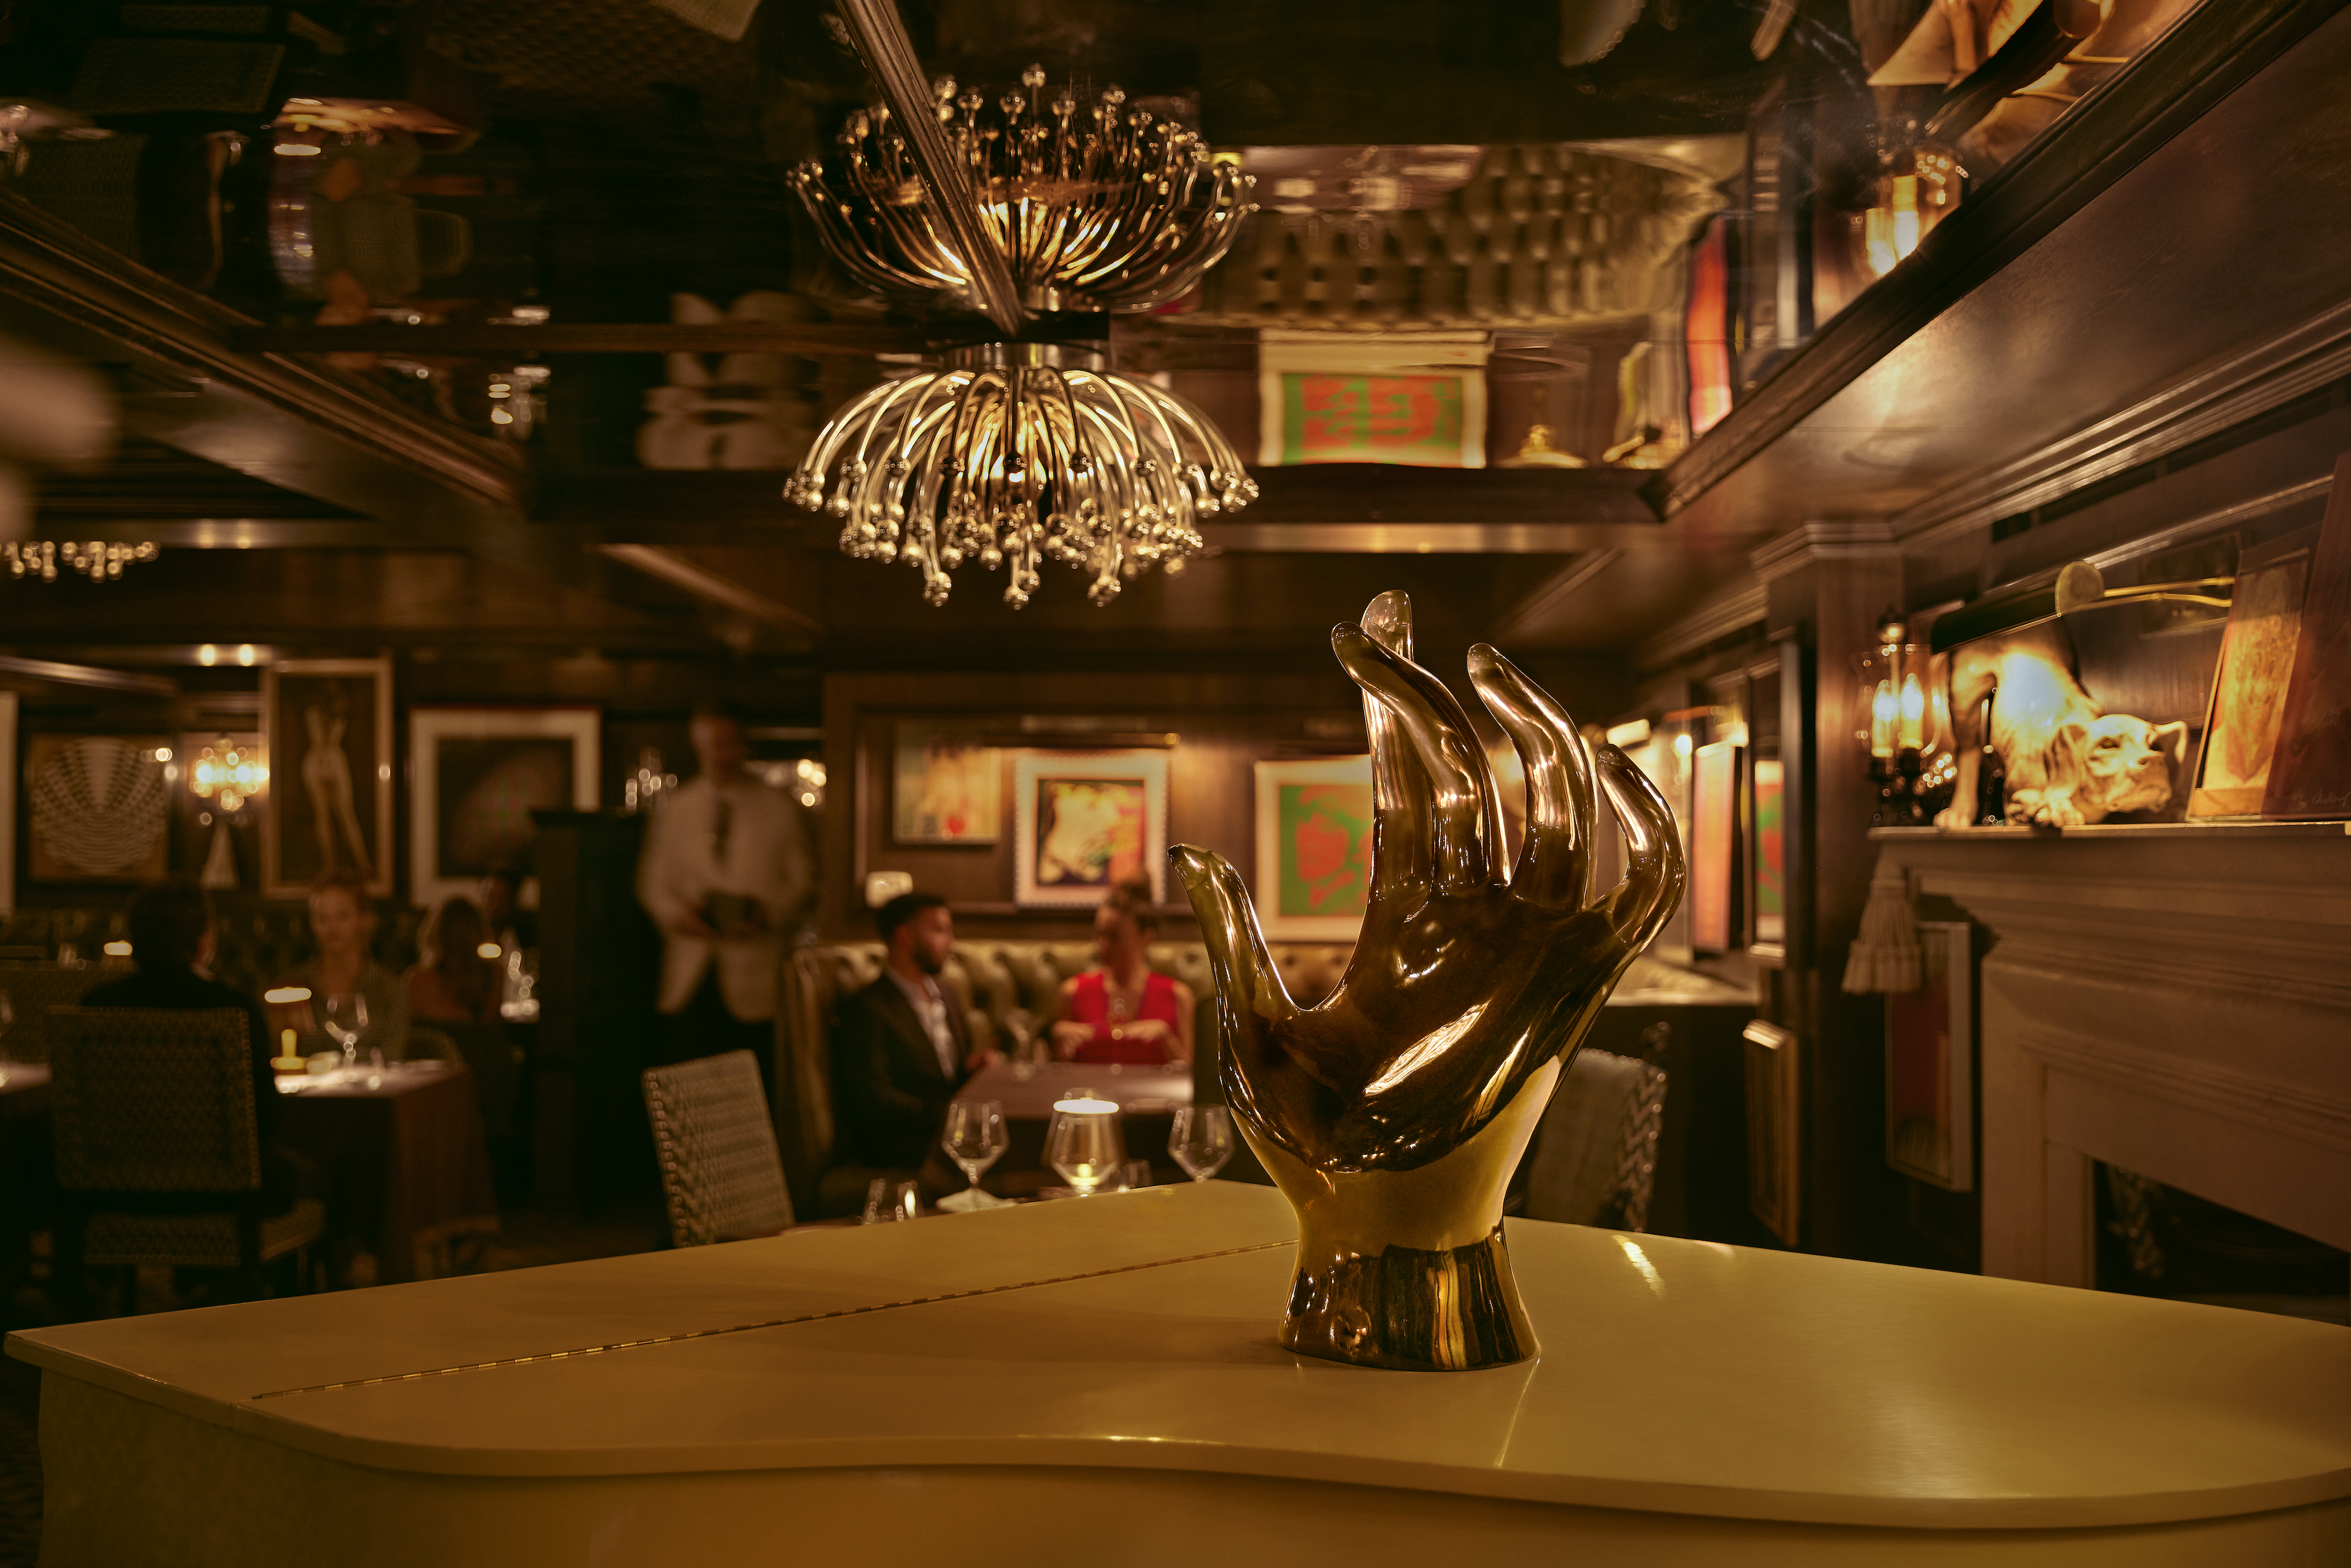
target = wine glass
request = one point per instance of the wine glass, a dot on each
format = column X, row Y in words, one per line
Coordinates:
column 345, row 1020
column 1083, row 1143
column 1202, row 1140
column 975, row 1138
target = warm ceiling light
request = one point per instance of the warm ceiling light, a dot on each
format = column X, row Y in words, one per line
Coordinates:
column 1016, row 453
column 100, row 560
column 1097, row 207
column 296, row 150
column 244, row 653
column 208, row 655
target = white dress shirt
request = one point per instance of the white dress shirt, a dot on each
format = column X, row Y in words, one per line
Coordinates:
column 930, row 1010
column 744, row 839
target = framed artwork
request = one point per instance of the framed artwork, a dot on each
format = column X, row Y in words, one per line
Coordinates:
column 1372, row 398
column 480, row 772
column 1767, row 882
column 328, row 725
column 7, row 802
column 1713, row 846
column 2310, row 769
column 2249, row 691
column 1774, row 1127
column 1313, row 848
column 945, row 788
column 97, row 808
column 1083, row 820
column 1931, row 1062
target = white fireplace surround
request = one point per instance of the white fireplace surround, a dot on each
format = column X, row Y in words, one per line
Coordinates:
column 2175, row 999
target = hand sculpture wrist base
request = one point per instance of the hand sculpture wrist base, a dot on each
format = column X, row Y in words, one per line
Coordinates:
column 1407, row 1269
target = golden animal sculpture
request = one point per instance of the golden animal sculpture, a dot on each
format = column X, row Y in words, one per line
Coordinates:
column 1393, row 1113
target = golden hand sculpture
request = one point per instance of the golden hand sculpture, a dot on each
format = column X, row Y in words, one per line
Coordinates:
column 1393, row 1114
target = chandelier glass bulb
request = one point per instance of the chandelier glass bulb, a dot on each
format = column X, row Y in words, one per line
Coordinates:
column 1095, row 206
column 1014, row 454
column 100, row 560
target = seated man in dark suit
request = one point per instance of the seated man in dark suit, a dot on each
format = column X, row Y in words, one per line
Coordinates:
column 172, row 938
column 900, row 1047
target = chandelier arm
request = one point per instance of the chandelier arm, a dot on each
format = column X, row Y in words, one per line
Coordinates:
column 813, row 467
column 880, row 34
column 837, row 229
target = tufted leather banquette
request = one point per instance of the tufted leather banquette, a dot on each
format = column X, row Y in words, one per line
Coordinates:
column 993, row 981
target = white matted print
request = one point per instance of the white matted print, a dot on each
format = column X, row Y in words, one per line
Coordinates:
column 480, row 773
column 1085, row 821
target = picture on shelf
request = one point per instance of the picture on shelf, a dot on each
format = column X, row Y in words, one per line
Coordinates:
column 2249, row 694
column 1314, row 847
column 945, row 788
column 97, row 808
column 1372, row 398
column 2310, row 773
column 1713, row 846
column 328, row 727
column 1931, row 1062
column 480, row 774
column 1768, row 890
column 1085, row 820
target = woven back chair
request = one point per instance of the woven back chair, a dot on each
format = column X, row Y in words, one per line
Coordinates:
column 720, row 1172
column 1596, row 1155
column 32, row 990
column 157, row 1156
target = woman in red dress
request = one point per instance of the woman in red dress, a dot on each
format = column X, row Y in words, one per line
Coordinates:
column 1123, row 1010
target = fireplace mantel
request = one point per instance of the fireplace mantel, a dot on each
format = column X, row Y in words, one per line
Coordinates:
column 2175, row 999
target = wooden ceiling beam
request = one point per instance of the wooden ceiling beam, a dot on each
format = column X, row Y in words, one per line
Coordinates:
column 495, row 340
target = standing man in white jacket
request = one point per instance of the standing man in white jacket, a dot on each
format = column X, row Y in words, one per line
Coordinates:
column 725, row 875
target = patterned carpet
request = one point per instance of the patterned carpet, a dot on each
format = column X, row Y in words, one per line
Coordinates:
column 530, row 1238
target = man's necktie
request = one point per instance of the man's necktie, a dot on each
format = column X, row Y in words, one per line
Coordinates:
column 722, row 823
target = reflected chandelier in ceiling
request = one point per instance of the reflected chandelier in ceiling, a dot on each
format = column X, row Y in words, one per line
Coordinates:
column 1015, row 453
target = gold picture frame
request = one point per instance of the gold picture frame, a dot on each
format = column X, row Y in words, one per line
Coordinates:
column 328, row 725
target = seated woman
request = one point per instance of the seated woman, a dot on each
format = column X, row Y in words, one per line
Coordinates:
column 452, row 982
column 1124, row 1011
column 342, row 921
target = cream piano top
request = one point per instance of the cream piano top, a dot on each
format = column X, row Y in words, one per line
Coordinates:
column 1135, row 1333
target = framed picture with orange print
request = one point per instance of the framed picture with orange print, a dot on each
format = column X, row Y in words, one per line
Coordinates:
column 1313, row 848
column 1417, row 400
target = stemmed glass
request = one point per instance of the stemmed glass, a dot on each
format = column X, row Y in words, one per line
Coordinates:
column 1083, row 1143
column 975, row 1138
column 345, row 1020
column 1202, row 1140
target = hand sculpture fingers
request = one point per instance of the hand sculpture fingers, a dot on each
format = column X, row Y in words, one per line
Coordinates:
column 1554, row 868
column 1444, row 815
column 1249, row 992
column 1653, row 881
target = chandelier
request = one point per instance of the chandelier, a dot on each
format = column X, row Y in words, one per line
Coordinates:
column 1016, row 452
column 100, row 560
column 1111, row 209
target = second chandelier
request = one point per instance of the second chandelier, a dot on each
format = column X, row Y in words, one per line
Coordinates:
column 1015, row 453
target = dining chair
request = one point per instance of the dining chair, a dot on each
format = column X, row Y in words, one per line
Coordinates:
column 1595, row 1153
column 32, row 990
column 157, row 1150
column 722, row 1177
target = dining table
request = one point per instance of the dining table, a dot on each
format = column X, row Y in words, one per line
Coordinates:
column 407, row 1166
column 1147, row 1099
